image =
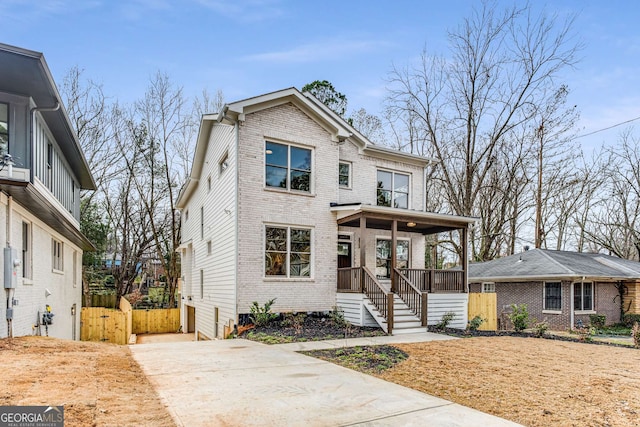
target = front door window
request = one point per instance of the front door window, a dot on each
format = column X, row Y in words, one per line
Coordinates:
column 383, row 257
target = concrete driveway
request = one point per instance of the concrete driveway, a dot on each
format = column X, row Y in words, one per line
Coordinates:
column 244, row 383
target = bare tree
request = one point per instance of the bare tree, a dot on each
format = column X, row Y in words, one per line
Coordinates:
column 501, row 64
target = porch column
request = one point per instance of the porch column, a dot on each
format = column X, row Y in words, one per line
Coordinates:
column 465, row 258
column 363, row 252
column 394, row 250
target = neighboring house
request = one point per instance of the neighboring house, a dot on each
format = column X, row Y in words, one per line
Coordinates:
column 560, row 286
column 285, row 200
column 42, row 171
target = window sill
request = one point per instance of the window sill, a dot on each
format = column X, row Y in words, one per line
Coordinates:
column 584, row 312
column 294, row 192
column 551, row 312
column 343, row 187
column 26, row 281
column 54, row 271
column 287, row 279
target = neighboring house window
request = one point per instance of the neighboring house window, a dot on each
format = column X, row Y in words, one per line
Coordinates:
column 202, row 222
column 209, row 183
column 583, row 296
column 344, row 175
column 287, row 251
column 4, row 129
column 26, row 250
column 488, row 287
column 201, row 284
column 209, row 247
column 383, row 257
column 56, row 255
column 287, row 167
column 75, row 269
column 393, row 189
column 222, row 165
column 552, row 296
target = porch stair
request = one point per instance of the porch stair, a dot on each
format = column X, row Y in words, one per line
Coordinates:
column 404, row 320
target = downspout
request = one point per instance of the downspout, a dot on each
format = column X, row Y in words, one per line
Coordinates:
column 32, row 112
column 237, row 220
column 8, row 235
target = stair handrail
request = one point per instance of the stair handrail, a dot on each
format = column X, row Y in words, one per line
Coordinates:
column 381, row 299
column 412, row 296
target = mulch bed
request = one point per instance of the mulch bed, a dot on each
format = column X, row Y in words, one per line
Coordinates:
column 311, row 328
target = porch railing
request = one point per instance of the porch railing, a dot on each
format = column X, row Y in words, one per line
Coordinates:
column 435, row 280
column 415, row 298
column 379, row 297
column 350, row 279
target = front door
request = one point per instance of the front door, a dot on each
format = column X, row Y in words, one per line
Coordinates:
column 344, row 255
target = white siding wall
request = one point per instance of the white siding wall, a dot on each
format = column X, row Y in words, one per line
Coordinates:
column 30, row 294
column 440, row 304
column 219, row 266
column 258, row 205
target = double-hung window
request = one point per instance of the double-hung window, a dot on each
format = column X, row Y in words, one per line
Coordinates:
column 4, row 129
column 393, row 189
column 344, row 174
column 552, row 296
column 583, row 296
column 57, row 261
column 287, row 251
column 26, row 250
column 287, row 167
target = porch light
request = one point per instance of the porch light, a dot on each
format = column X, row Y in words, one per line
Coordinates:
column 411, row 224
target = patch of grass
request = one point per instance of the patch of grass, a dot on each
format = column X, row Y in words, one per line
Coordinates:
column 368, row 359
column 270, row 338
column 620, row 330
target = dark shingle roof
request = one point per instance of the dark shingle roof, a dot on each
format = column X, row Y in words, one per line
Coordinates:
column 543, row 263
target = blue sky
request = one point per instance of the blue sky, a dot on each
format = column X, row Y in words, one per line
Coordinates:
column 250, row 47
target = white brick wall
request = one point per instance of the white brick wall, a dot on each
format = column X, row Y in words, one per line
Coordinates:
column 30, row 294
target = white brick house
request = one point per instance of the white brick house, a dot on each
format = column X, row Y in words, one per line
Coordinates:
column 42, row 170
column 280, row 193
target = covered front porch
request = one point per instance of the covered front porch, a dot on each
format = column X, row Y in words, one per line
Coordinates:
column 395, row 283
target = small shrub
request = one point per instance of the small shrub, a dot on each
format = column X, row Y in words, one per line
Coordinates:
column 597, row 320
column 519, row 317
column 446, row 319
column 540, row 329
column 262, row 316
column 337, row 317
column 629, row 319
column 585, row 333
column 296, row 321
column 475, row 323
column 635, row 334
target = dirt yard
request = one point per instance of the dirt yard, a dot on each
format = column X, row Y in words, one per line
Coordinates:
column 535, row 382
column 98, row 384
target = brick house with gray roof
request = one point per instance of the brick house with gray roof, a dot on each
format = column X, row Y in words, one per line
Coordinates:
column 562, row 287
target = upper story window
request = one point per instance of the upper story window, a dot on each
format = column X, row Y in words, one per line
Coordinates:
column 287, row 167
column 4, row 129
column 344, row 174
column 223, row 164
column 393, row 189
column 57, row 261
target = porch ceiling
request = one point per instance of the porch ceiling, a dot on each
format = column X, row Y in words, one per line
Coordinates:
column 382, row 218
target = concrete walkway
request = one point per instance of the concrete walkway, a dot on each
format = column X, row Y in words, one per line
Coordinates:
column 244, row 383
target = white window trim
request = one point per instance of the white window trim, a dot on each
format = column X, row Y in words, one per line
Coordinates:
column 53, row 257
column 223, row 163
column 393, row 180
column 288, row 278
column 349, row 185
column 593, row 298
column 544, row 297
column 489, row 283
column 288, row 190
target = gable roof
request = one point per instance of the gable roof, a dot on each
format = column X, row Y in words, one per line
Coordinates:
column 544, row 264
column 335, row 125
column 26, row 73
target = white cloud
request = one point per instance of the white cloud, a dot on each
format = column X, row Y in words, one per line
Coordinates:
column 321, row 51
column 245, row 10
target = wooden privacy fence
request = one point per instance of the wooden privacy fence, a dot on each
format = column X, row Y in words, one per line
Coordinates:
column 156, row 321
column 117, row 326
column 486, row 306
